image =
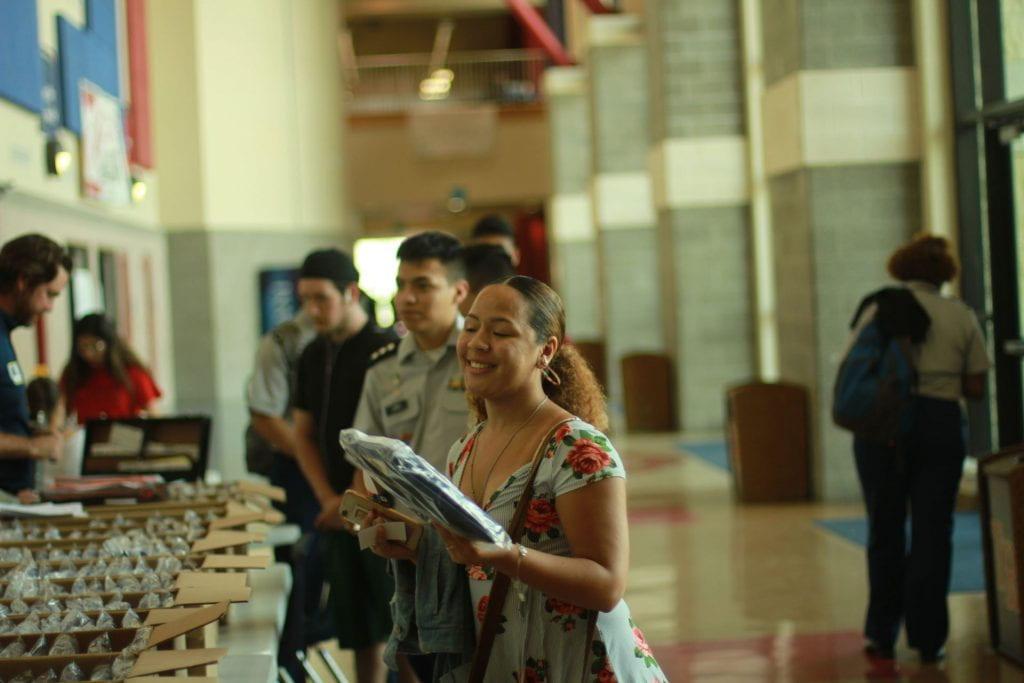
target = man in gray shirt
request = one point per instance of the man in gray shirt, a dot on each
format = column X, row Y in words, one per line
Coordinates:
column 270, row 438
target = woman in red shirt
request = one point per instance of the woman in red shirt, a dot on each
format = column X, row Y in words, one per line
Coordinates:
column 104, row 378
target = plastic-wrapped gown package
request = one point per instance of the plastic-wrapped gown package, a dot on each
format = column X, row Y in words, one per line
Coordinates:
column 130, row 619
column 64, row 645
column 72, row 672
column 425, row 491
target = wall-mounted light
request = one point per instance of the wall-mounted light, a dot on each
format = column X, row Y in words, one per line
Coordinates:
column 437, row 85
column 58, row 159
column 457, row 201
column 138, row 189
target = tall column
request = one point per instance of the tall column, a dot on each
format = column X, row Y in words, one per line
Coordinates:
column 621, row 192
column 569, row 211
column 248, row 117
column 698, row 163
column 842, row 149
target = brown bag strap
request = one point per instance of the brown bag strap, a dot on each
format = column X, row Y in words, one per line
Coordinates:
column 499, row 589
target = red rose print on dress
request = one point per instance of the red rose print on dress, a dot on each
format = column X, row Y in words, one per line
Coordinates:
column 541, row 518
column 641, row 642
column 564, row 613
column 642, row 650
column 586, row 457
column 477, row 572
column 562, row 607
column 535, row 671
column 606, row 675
column 481, row 608
column 562, row 432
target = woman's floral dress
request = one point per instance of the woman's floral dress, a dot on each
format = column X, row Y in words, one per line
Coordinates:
column 546, row 637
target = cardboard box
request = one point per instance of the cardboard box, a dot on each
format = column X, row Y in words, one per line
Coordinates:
column 152, row 660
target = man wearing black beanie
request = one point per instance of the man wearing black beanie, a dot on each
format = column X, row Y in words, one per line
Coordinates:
column 330, row 379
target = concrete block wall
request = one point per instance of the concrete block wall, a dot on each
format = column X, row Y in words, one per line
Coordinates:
column 698, row 160
column 624, row 215
column 701, row 75
column 844, row 193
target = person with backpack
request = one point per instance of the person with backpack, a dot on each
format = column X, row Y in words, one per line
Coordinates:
column 914, row 354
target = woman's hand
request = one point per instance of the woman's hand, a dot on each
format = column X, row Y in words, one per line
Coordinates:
column 464, row 551
column 382, row 546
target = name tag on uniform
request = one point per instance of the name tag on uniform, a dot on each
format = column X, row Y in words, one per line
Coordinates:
column 14, row 372
column 457, row 383
column 396, row 407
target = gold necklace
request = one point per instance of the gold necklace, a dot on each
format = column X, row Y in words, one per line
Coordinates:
column 472, row 455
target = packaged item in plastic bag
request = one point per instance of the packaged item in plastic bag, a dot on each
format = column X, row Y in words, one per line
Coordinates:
column 150, row 601
column 24, row 677
column 39, row 648
column 150, row 582
column 72, row 672
column 102, row 672
column 131, row 619
column 91, row 603
column 100, row 644
column 49, row 676
column 29, row 625
column 18, row 606
column 105, row 621
column 123, row 665
column 129, row 584
column 64, row 645
column 51, row 624
column 75, row 621
column 15, row 648
column 140, row 640
column 421, row 488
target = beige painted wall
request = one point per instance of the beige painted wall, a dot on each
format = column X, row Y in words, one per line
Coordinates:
column 385, row 171
column 247, row 110
column 271, row 146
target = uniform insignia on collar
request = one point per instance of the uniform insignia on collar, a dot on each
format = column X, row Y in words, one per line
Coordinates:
column 457, row 383
column 386, row 351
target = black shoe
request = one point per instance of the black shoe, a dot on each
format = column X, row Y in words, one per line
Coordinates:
column 932, row 656
column 876, row 651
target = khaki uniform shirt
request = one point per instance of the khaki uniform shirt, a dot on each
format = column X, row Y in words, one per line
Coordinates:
column 412, row 396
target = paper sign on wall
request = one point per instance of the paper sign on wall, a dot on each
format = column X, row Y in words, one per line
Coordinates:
column 105, row 175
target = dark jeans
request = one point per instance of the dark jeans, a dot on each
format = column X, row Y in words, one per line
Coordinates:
column 921, row 474
column 306, row 620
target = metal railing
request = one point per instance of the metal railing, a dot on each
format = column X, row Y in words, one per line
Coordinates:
column 393, row 83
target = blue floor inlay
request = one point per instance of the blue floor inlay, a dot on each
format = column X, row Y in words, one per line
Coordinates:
column 711, row 452
column 968, row 574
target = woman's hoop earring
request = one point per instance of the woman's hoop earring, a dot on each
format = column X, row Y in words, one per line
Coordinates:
column 550, row 375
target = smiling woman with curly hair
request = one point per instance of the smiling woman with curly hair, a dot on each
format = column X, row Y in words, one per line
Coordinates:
column 539, row 404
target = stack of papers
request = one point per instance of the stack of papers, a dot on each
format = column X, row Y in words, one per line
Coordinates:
column 42, row 510
column 414, row 482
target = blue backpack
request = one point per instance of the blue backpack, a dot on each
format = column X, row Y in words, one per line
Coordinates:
column 873, row 394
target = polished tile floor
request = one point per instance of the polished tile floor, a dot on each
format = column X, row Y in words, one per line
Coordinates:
column 729, row 593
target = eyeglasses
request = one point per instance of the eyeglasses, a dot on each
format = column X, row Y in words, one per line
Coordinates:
column 98, row 346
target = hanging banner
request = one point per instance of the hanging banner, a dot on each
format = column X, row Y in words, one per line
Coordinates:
column 105, row 175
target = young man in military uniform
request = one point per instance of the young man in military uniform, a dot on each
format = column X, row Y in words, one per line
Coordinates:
column 33, row 271
column 414, row 389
